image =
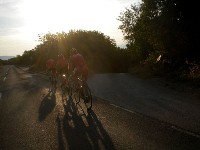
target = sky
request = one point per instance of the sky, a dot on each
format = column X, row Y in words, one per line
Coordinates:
column 22, row 20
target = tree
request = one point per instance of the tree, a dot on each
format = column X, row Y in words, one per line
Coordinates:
column 161, row 28
column 98, row 49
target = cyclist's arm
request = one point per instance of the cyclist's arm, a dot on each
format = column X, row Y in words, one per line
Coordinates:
column 71, row 66
column 47, row 70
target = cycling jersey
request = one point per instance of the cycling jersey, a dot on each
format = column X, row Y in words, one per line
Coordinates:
column 50, row 64
column 62, row 64
column 78, row 62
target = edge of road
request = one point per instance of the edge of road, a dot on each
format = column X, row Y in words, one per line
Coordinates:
column 4, row 74
column 173, row 126
column 41, row 73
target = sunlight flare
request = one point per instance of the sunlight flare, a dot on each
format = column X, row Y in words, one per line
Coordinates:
column 61, row 15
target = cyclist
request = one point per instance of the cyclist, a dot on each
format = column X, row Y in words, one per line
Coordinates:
column 78, row 64
column 62, row 66
column 79, row 68
column 51, row 66
column 51, row 69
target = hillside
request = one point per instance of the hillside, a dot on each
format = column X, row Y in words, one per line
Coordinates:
column 6, row 57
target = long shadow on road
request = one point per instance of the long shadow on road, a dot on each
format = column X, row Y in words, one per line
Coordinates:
column 97, row 132
column 47, row 105
column 81, row 131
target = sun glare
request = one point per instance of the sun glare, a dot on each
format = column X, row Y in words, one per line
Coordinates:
column 43, row 16
column 62, row 15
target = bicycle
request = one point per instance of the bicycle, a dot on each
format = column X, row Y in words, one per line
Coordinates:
column 65, row 85
column 52, row 79
column 81, row 90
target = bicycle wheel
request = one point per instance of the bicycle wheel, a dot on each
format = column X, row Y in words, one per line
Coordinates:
column 64, row 85
column 69, row 87
column 87, row 96
column 54, row 82
column 75, row 90
column 51, row 81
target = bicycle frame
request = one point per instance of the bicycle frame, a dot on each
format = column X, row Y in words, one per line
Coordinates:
column 74, row 87
column 53, row 79
column 82, row 91
column 65, row 84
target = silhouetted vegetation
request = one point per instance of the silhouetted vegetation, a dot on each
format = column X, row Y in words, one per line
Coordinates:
column 101, row 52
column 163, row 36
column 2, row 62
column 162, row 39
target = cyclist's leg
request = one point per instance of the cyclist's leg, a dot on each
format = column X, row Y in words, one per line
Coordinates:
column 59, row 76
column 76, row 90
column 87, row 96
column 54, row 77
column 51, row 78
column 82, row 89
column 64, row 78
column 49, row 73
column 86, row 89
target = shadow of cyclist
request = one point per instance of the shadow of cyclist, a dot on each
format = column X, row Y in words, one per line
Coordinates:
column 75, row 128
column 81, row 131
column 47, row 105
column 97, row 133
column 61, row 141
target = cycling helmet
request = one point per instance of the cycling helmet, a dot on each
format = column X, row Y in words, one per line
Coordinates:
column 73, row 51
column 60, row 55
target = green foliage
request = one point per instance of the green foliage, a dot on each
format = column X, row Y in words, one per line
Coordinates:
column 194, row 71
column 100, row 52
column 161, row 27
column 1, row 62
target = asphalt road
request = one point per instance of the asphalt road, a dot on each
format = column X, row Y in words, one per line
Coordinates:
column 32, row 118
column 149, row 98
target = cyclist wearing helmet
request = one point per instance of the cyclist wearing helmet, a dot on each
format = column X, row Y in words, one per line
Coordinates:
column 51, row 68
column 78, row 64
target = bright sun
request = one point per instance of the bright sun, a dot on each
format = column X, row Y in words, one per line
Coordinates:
column 61, row 15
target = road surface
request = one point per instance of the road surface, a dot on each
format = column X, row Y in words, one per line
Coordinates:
column 32, row 117
column 150, row 99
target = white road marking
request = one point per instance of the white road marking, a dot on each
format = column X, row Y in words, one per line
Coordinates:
column 173, row 127
column 123, row 108
column 184, row 131
column 28, row 76
column 4, row 79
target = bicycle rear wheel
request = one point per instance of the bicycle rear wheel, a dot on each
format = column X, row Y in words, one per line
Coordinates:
column 53, row 82
column 87, row 96
column 75, row 91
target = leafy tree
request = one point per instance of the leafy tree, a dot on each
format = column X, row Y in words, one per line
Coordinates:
column 1, row 62
column 161, row 28
column 101, row 52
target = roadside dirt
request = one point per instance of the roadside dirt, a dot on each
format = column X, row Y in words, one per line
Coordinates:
column 185, row 87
